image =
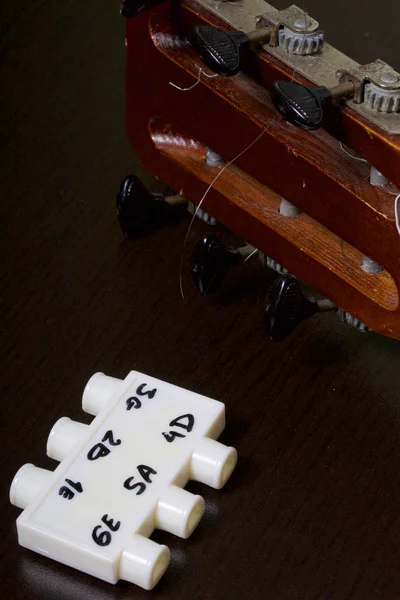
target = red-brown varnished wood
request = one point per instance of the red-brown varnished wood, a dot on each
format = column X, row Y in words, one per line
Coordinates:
column 369, row 141
column 309, row 248
column 307, row 168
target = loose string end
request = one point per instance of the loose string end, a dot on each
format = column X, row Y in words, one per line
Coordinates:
column 196, row 83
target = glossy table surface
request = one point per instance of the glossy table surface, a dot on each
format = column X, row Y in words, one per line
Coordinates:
column 312, row 511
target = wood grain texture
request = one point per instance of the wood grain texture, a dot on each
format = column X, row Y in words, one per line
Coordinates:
column 312, row 512
column 305, row 247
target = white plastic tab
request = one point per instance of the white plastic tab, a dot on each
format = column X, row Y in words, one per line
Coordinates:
column 179, row 511
column 63, row 437
column 121, row 477
column 212, row 463
column 144, row 562
column 98, row 391
column 27, row 483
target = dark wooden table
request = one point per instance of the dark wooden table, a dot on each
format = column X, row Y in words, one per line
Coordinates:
column 312, row 511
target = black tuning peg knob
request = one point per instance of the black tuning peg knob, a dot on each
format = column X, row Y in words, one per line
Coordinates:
column 211, row 260
column 287, row 307
column 222, row 51
column 306, row 107
column 139, row 211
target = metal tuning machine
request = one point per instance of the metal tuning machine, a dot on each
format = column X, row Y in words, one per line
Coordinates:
column 224, row 51
column 376, row 85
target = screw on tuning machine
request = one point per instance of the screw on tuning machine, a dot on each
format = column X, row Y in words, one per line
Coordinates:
column 211, row 260
column 139, row 211
column 222, row 51
column 306, row 107
column 287, row 307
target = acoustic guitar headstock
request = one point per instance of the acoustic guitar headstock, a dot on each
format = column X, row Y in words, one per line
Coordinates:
column 306, row 146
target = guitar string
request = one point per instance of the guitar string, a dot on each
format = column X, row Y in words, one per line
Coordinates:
column 226, row 166
column 396, row 213
column 350, row 154
column 396, row 200
column 396, row 218
column 196, row 83
column 250, row 255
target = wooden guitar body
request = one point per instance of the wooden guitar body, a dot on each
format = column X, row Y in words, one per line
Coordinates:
column 343, row 217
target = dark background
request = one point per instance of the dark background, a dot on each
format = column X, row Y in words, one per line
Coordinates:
column 312, row 511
